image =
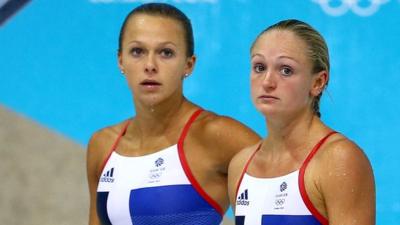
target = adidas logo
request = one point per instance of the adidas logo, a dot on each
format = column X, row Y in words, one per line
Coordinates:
column 108, row 176
column 243, row 199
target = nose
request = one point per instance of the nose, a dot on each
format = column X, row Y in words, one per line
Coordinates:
column 150, row 66
column 269, row 81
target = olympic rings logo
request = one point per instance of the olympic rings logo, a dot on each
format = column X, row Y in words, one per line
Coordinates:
column 353, row 5
column 279, row 201
column 155, row 175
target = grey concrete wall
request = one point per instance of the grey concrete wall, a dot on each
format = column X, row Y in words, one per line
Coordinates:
column 43, row 177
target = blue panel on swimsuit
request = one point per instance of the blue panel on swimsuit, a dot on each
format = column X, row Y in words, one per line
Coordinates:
column 239, row 220
column 289, row 220
column 174, row 204
column 102, row 208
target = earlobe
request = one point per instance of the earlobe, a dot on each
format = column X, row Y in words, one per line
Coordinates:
column 320, row 82
column 191, row 61
column 120, row 66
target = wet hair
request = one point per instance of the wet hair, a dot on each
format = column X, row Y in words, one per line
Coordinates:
column 317, row 48
column 163, row 10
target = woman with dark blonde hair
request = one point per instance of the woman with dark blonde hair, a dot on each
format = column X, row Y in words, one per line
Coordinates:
column 303, row 172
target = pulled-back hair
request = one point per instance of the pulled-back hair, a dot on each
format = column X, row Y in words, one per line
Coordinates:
column 163, row 10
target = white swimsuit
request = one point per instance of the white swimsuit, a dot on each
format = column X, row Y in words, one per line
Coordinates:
column 276, row 201
column 154, row 189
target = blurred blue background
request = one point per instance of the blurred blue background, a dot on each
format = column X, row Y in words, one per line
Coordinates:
column 58, row 66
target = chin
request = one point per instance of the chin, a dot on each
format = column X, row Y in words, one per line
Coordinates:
column 268, row 110
column 149, row 100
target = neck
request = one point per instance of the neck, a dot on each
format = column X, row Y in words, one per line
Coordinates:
column 291, row 134
column 157, row 120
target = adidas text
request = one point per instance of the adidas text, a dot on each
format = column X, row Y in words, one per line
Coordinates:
column 242, row 202
column 107, row 179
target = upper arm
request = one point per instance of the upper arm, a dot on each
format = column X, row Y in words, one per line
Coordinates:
column 348, row 185
column 97, row 150
column 92, row 165
column 93, row 160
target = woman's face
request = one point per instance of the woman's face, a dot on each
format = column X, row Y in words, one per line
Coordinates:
column 281, row 79
column 153, row 58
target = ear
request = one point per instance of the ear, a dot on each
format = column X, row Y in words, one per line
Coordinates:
column 120, row 64
column 320, row 80
column 190, row 63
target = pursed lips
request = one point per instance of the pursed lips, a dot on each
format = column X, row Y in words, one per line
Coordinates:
column 268, row 97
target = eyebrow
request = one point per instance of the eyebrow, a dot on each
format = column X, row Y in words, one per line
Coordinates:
column 257, row 54
column 162, row 43
column 279, row 57
column 288, row 57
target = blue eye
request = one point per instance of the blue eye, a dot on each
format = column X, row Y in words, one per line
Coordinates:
column 259, row 68
column 286, row 71
column 136, row 51
column 167, row 53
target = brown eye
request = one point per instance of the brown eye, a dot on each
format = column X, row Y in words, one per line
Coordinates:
column 167, row 53
column 258, row 68
column 136, row 52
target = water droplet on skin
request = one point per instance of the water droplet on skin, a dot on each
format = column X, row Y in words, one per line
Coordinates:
column 151, row 108
column 153, row 100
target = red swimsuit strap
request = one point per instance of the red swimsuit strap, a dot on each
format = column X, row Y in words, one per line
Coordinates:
column 302, row 187
column 121, row 133
column 186, row 166
column 245, row 168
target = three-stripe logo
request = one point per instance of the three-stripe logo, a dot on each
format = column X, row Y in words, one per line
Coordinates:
column 243, row 198
column 108, row 176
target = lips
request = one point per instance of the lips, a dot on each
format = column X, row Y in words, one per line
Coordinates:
column 149, row 85
column 148, row 82
column 267, row 97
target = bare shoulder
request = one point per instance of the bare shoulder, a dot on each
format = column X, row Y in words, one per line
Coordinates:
column 222, row 137
column 340, row 152
column 340, row 158
column 345, row 179
column 238, row 162
column 104, row 136
column 227, row 131
column 100, row 144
